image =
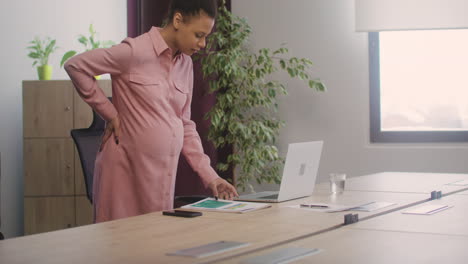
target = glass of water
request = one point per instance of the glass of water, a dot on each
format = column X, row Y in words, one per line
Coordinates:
column 337, row 182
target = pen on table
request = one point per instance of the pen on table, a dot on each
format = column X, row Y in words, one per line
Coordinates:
column 314, row 206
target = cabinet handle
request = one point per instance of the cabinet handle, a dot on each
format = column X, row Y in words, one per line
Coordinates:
column 67, row 108
column 68, row 166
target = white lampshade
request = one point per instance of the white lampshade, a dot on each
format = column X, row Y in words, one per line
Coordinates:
column 382, row 15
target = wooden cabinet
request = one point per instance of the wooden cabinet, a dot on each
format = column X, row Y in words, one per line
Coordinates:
column 48, row 166
column 47, row 109
column 54, row 188
column 85, row 208
column 43, row 214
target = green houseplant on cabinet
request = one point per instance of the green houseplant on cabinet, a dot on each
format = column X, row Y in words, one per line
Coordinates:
column 243, row 116
column 91, row 42
column 39, row 51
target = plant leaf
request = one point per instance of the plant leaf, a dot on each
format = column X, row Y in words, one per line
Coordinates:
column 67, row 56
column 33, row 55
column 83, row 40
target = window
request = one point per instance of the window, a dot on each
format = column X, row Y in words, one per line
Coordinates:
column 419, row 86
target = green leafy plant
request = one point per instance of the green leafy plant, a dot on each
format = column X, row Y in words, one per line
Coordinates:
column 244, row 115
column 91, row 42
column 40, row 50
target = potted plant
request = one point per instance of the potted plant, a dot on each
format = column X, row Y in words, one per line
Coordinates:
column 243, row 116
column 91, row 42
column 40, row 51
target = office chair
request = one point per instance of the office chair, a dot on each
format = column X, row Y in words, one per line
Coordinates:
column 87, row 141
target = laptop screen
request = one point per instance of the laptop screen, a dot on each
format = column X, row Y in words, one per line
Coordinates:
column 300, row 170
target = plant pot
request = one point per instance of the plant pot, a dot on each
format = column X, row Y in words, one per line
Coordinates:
column 44, row 72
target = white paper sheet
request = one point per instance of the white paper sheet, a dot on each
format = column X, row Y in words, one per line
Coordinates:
column 331, row 208
column 459, row 183
column 373, row 206
column 427, row 209
column 209, row 249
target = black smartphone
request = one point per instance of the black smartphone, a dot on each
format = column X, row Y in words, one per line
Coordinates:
column 182, row 213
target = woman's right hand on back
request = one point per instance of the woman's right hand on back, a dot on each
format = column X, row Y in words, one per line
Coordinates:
column 112, row 130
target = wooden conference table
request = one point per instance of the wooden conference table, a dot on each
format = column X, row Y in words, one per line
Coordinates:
column 378, row 235
column 390, row 238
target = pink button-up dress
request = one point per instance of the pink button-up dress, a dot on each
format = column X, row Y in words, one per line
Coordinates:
column 151, row 94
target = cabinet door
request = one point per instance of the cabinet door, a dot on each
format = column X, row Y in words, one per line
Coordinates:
column 43, row 214
column 83, row 114
column 47, row 108
column 48, row 167
column 84, row 211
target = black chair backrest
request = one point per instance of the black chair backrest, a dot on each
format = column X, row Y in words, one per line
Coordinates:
column 87, row 141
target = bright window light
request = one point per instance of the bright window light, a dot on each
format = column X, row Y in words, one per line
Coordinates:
column 424, row 80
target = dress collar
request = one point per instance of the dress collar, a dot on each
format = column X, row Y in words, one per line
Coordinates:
column 159, row 44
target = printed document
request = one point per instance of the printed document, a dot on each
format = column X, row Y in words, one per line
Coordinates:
column 226, row 206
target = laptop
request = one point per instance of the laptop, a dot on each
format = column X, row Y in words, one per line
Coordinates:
column 299, row 174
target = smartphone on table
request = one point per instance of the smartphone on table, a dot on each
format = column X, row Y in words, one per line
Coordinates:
column 182, row 213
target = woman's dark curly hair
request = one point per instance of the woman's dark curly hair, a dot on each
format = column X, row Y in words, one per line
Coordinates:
column 189, row 8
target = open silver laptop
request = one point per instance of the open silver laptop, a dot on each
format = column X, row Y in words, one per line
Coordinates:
column 299, row 174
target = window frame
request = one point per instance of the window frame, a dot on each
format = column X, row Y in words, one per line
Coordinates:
column 379, row 136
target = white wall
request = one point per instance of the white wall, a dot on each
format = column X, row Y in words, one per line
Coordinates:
column 20, row 21
column 323, row 31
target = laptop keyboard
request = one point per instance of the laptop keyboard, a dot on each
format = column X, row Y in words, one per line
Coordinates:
column 274, row 196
